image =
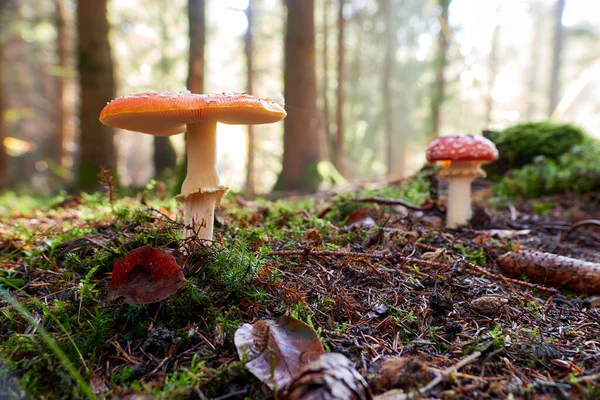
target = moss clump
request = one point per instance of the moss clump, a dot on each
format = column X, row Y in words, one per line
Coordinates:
column 576, row 171
column 520, row 144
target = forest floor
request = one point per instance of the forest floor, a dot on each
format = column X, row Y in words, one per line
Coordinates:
column 375, row 281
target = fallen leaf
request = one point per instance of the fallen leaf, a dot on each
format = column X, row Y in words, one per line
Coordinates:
column 278, row 350
column 359, row 219
column 146, row 275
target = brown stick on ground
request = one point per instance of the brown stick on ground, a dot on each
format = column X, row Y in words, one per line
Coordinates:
column 554, row 270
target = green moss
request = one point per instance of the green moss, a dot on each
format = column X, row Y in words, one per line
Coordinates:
column 577, row 171
column 520, row 144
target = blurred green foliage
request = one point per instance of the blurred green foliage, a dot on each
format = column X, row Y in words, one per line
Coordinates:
column 577, row 170
column 521, row 144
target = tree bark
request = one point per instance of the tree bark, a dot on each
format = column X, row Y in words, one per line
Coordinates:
column 195, row 79
column 534, row 63
column 386, row 84
column 492, row 69
column 97, row 88
column 325, row 85
column 303, row 141
column 4, row 173
column 339, row 116
column 64, row 93
column 197, row 33
column 248, row 47
column 439, row 87
column 164, row 155
column 556, row 57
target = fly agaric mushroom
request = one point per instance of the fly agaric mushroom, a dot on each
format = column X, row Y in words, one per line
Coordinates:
column 461, row 158
column 168, row 113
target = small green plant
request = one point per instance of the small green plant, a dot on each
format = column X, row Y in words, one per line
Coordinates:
column 498, row 337
column 235, row 267
column 87, row 290
column 475, row 256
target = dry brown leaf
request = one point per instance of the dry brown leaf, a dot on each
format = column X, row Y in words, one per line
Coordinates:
column 359, row 219
column 278, row 349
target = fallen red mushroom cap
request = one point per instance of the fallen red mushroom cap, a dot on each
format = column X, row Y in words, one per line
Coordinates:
column 461, row 147
column 145, row 275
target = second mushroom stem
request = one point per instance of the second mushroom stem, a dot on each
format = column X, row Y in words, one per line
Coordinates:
column 459, row 201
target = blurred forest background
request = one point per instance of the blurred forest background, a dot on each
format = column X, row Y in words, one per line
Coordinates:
column 368, row 83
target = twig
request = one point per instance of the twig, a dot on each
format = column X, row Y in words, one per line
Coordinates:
column 579, row 225
column 493, row 276
column 398, row 394
column 396, row 202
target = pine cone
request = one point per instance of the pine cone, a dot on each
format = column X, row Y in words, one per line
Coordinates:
column 331, row 377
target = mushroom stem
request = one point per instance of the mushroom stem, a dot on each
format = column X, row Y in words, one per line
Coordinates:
column 201, row 158
column 459, row 201
column 199, row 214
column 201, row 191
column 460, row 174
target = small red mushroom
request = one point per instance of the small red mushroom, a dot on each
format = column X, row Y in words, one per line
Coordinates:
column 461, row 158
column 146, row 275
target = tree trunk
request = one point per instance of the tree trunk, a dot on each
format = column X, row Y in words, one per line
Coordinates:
column 559, row 36
column 492, row 68
column 164, row 154
column 65, row 130
column 325, row 85
column 386, row 83
column 4, row 175
column 439, row 87
column 197, row 33
column 534, row 63
column 195, row 79
column 339, row 115
column 303, row 141
column 248, row 47
column 97, row 88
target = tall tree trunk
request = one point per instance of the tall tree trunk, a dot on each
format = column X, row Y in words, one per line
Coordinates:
column 248, row 47
column 195, row 79
column 339, row 115
column 4, row 175
column 492, row 68
column 197, row 33
column 64, row 88
column 164, row 154
column 97, row 88
column 386, row 83
column 534, row 63
column 303, row 141
column 325, row 85
column 559, row 36
column 439, row 87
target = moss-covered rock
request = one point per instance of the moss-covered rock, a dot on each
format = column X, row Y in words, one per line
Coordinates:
column 520, row 144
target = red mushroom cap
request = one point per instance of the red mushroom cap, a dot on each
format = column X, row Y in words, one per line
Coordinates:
column 462, row 147
column 167, row 113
